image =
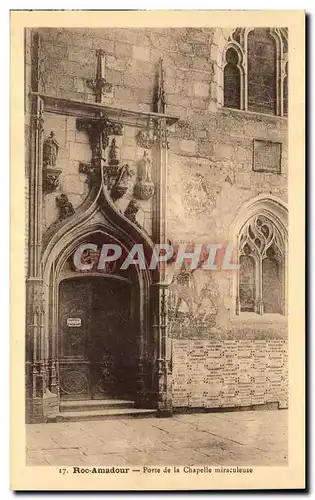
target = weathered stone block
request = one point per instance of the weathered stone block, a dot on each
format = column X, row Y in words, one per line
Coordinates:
column 188, row 146
column 66, row 83
column 113, row 62
column 201, row 134
column 107, row 45
column 137, row 80
column 203, row 63
column 80, row 152
column 140, row 52
column 55, row 50
column 212, row 106
column 78, row 54
column 143, row 95
column 123, row 93
column 179, row 111
column 72, row 185
column 136, row 66
column 79, row 85
column 201, row 89
column 224, row 150
column 205, row 148
column 178, row 100
column 123, row 50
column 199, row 104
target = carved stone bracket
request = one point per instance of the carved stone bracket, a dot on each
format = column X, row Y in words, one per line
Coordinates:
column 146, row 139
column 132, row 210
column 162, row 134
column 96, row 128
column 51, row 179
column 65, row 206
column 99, row 84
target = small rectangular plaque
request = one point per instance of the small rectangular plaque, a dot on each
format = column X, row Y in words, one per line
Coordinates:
column 267, row 156
column 74, row 322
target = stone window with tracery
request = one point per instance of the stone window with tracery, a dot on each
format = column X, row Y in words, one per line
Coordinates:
column 255, row 71
column 261, row 283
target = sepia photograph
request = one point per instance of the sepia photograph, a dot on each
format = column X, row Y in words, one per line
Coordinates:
column 156, row 250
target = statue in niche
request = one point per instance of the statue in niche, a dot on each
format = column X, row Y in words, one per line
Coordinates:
column 145, row 167
column 144, row 188
column 50, row 150
column 113, row 161
column 123, row 182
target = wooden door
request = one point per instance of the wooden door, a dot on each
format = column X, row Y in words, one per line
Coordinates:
column 75, row 301
column 97, row 344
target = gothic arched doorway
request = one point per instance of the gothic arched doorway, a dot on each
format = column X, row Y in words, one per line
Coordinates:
column 97, row 321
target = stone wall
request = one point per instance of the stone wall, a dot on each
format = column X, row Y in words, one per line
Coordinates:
column 27, row 128
column 229, row 374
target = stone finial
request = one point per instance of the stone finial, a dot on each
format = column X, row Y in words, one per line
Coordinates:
column 99, row 83
column 161, row 104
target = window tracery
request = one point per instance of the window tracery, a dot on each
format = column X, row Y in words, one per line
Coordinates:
column 261, row 272
column 255, row 70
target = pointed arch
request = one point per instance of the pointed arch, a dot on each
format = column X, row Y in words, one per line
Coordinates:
column 260, row 235
column 233, row 76
column 260, row 70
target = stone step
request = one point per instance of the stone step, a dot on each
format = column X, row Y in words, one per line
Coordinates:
column 101, row 414
column 94, row 404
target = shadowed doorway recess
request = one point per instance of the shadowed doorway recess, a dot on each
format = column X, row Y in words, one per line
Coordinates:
column 97, row 347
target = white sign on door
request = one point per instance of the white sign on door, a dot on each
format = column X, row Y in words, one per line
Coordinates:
column 73, row 322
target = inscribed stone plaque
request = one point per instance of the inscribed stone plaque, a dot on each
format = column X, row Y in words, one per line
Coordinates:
column 267, row 156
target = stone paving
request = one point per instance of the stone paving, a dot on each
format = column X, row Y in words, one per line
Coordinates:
column 231, row 438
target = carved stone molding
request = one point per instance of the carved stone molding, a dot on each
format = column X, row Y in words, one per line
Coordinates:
column 65, row 206
column 51, row 179
column 146, row 139
column 74, row 382
column 38, row 122
column 96, row 128
column 123, row 182
column 38, row 305
column 162, row 135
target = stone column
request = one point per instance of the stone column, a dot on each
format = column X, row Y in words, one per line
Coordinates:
column 164, row 372
column 163, row 362
column 40, row 402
